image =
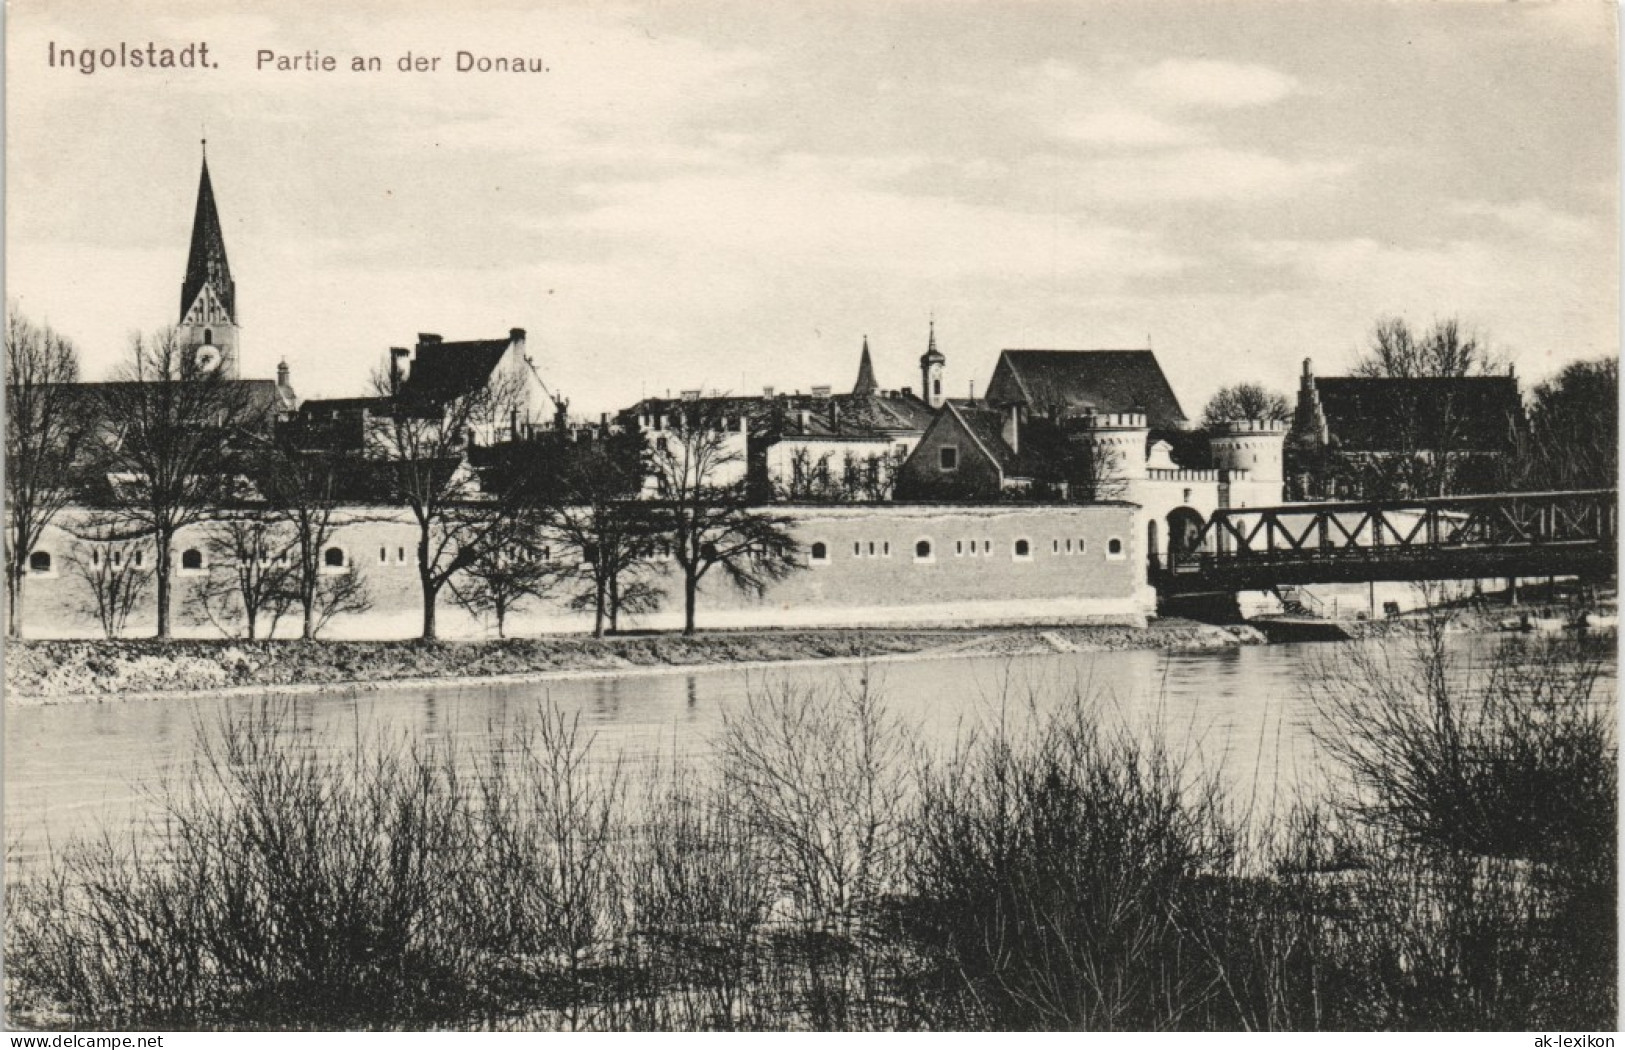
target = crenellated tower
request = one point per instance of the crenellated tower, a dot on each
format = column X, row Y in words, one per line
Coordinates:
column 208, row 326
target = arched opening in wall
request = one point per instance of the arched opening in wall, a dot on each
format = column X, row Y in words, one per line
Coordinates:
column 922, row 550
column 819, row 552
column 39, row 562
column 208, row 337
column 1184, row 530
column 191, row 560
column 1021, row 549
column 1114, row 548
column 333, row 558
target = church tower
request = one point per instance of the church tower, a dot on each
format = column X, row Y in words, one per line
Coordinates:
column 932, row 363
column 208, row 325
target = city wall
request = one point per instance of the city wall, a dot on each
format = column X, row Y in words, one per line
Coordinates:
column 860, row 565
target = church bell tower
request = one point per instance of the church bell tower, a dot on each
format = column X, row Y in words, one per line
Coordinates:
column 208, row 327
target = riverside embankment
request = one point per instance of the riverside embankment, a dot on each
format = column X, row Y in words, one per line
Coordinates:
column 51, row 672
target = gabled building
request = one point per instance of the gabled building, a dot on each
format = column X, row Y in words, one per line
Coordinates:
column 1066, row 384
column 1380, row 437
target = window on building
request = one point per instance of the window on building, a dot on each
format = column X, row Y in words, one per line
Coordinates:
column 959, row 548
column 987, row 546
column 1187, row 497
column 192, row 559
column 1069, row 546
column 948, row 457
column 1055, row 546
column 922, row 550
column 383, row 555
column 885, row 548
column 1114, row 548
column 140, row 557
column 400, row 555
column 857, row 549
column 1080, row 546
column 871, row 548
column 819, row 552
column 1022, row 549
column 208, row 337
column 333, row 558
column 39, row 561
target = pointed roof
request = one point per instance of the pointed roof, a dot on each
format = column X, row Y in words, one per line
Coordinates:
column 866, row 384
column 931, row 351
column 206, row 263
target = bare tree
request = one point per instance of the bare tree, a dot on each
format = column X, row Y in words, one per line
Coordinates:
column 250, row 575
column 303, row 489
column 1447, row 350
column 1573, row 440
column 174, row 426
column 42, row 430
column 116, row 574
column 507, row 573
column 422, row 443
column 590, row 502
column 710, row 522
column 1245, row 401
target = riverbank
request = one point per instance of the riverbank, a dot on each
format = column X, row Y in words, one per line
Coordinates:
column 53, row 672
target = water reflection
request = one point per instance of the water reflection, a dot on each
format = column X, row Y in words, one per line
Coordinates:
column 1244, row 714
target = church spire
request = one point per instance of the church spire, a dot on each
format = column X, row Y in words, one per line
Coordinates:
column 931, row 365
column 208, row 325
column 206, row 263
column 866, row 385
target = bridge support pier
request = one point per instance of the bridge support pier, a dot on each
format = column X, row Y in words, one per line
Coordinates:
column 1219, row 607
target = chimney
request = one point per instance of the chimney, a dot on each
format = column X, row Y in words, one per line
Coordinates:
column 397, row 368
column 282, row 372
column 1012, row 429
column 429, row 337
column 767, row 391
column 515, row 335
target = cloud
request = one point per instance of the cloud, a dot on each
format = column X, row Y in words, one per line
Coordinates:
column 1206, row 83
column 1533, row 219
column 1205, row 173
column 1126, row 128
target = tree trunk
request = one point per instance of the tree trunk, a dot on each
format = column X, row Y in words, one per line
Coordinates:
column 14, row 601
column 691, row 587
column 598, row 609
column 615, row 604
column 163, row 586
column 428, row 607
column 307, row 601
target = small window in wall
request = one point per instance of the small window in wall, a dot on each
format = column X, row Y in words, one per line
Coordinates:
column 208, row 337
column 819, row 553
column 871, row 548
column 400, row 555
column 1069, row 546
column 922, row 550
column 1055, row 547
column 948, row 457
column 885, row 548
column 1187, row 498
column 191, row 560
column 987, row 546
column 333, row 558
column 959, row 548
column 383, row 555
column 140, row 556
column 1080, row 546
column 857, row 550
column 39, row 562
column 1021, row 549
column 1114, row 548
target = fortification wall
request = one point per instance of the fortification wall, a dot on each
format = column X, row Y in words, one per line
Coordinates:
column 980, row 564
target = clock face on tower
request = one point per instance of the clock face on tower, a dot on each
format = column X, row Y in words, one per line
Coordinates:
column 208, row 357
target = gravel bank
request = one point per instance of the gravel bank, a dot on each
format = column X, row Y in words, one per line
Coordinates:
column 90, row 671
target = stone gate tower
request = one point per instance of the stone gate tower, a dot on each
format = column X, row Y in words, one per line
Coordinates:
column 208, row 327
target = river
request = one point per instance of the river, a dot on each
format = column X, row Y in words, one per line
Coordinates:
column 1246, row 714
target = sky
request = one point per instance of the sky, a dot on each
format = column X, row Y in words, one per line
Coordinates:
column 730, row 196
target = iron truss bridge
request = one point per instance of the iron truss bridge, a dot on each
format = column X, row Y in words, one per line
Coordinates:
column 1459, row 537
